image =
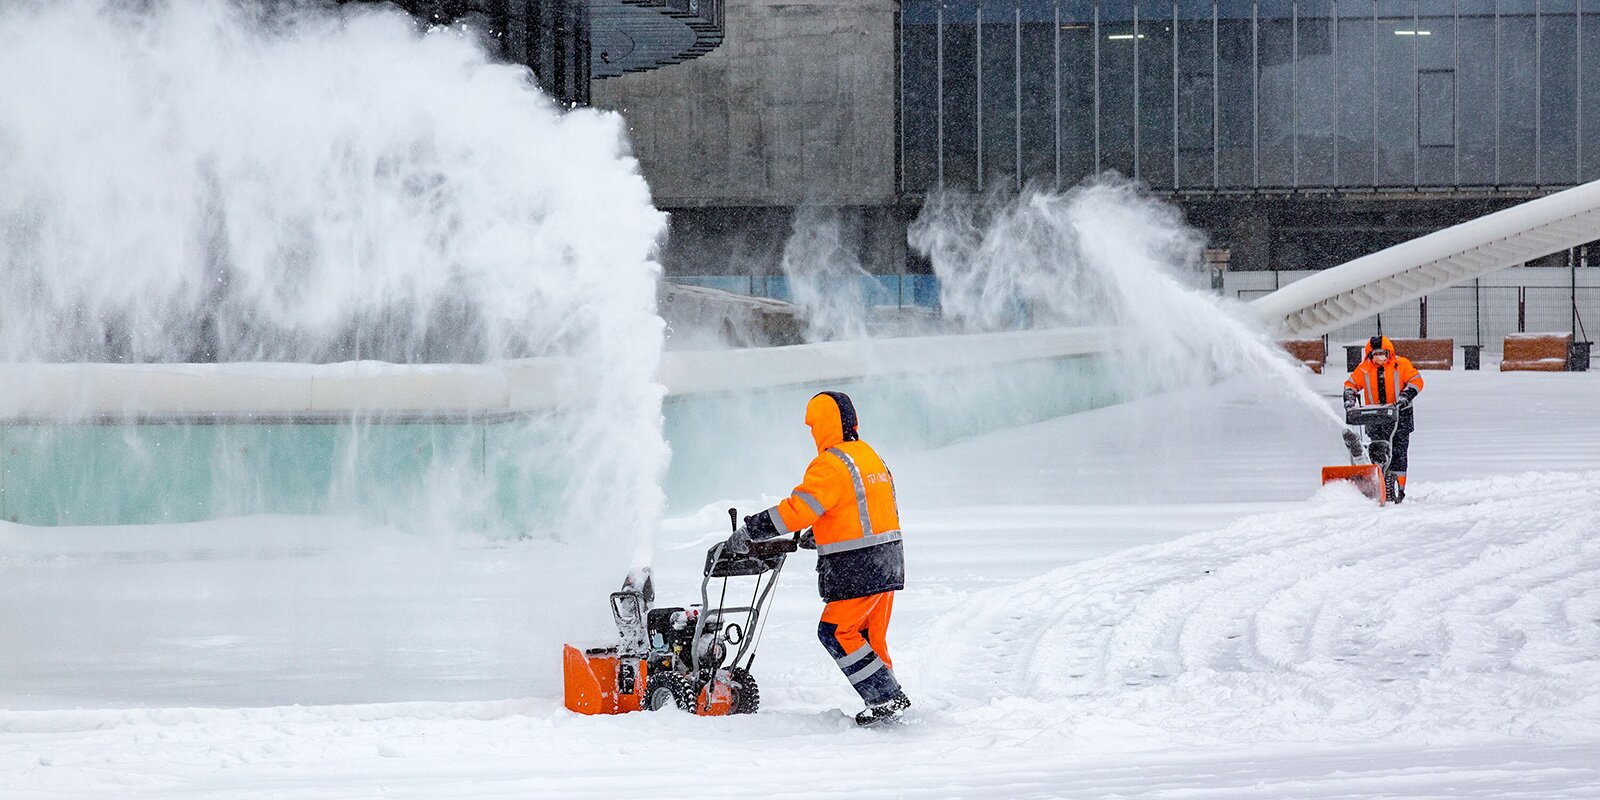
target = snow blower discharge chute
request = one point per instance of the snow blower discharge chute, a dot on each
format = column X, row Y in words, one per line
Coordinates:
column 679, row 657
column 1369, row 460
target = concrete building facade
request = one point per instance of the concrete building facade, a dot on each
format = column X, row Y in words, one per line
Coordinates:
column 1297, row 133
column 796, row 109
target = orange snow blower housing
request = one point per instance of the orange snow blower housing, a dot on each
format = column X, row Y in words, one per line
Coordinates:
column 632, row 676
column 1367, row 477
column 696, row 659
column 599, row 680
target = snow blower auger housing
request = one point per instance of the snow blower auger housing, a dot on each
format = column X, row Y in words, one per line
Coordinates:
column 696, row 659
column 1369, row 461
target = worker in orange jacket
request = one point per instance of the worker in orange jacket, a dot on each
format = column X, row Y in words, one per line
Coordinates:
column 1384, row 377
column 848, row 500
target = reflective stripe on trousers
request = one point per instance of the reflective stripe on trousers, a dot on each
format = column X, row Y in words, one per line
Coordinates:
column 855, row 633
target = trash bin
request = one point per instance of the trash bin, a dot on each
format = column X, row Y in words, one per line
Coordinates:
column 1352, row 356
column 1471, row 354
column 1578, row 356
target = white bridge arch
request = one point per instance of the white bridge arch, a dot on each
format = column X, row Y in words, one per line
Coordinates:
column 1342, row 295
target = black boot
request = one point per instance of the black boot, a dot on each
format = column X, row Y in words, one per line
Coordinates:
column 886, row 710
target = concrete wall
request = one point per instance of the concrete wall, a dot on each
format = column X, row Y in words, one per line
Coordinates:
column 481, row 446
column 796, row 106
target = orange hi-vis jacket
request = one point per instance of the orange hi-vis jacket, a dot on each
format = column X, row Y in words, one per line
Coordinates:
column 1392, row 378
column 848, row 500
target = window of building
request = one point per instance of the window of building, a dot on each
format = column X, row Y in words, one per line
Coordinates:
column 1517, row 84
column 1038, row 101
column 959, row 106
column 1275, row 84
column 1315, row 104
column 998, row 84
column 1353, row 57
column 919, row 86
column 1436, row 107
column 1236, row 89
column 1196, row 84
column 1478, row 92
column 1558, row 93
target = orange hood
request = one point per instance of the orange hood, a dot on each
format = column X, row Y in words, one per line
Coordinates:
column 1383, row 344
column 832, row 419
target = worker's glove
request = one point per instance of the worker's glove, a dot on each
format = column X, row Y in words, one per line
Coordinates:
column 739, row 543
column 1407, row 396
column 1350, row 398
column 760, row 526
column 807, row 540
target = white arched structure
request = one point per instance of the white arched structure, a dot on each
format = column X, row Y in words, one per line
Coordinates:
column 1355, row 290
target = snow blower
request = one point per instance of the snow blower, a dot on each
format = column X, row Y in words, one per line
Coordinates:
column 679, row 657
column 1369, row 461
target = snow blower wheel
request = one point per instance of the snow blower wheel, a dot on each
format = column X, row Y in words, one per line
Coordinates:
column 669, row 690
column 746, row 694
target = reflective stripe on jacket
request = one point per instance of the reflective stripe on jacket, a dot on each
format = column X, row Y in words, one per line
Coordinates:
column 848, row 500
column 1396, row 376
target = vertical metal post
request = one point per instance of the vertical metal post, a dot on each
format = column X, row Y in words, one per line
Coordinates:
column 978, row 48
column 1294, row 94
column 1057, row 79
column 1097, row 87
column 1255, row 94
column 1135, row 89
column 1538, row 95
column 1572, row 270
column 536, row 48
column 1016, row 49
column 1455, row 78
column 558, row 47
column 1422, row 310
column 1522, row 309
column 1216, row 104
column 1477, row 311
column 1333, row 35
column 1176, row 179
column 938, row 60
column 1372, row 128
column 1416, row 99
column 900, row 83
column 1497, row 159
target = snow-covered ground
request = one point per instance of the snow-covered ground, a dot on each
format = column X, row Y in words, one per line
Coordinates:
column 1152, row 600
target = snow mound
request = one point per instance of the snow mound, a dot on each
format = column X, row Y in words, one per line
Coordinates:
column 1470, row 611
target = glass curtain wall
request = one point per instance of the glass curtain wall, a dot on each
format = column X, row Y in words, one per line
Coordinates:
column 1251, row 95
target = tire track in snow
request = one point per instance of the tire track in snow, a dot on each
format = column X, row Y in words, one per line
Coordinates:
column 1473, row 609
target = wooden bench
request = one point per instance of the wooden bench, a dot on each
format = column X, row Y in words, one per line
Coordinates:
column 1427, row 353
column 1538, row 352
column 1311, row 352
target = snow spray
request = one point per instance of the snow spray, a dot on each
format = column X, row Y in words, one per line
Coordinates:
column 825, row 274
column 1100, row 254
column 198, row 181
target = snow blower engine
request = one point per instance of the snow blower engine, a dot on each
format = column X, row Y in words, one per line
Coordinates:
column 1369, row 460
column 696, row 659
